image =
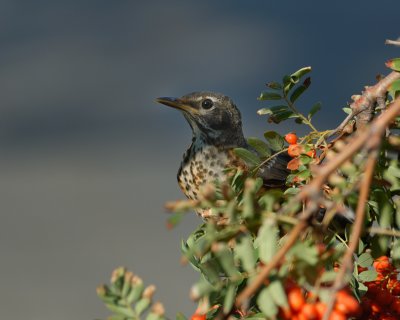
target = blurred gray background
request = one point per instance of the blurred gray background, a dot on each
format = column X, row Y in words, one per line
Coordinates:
column 87, row 159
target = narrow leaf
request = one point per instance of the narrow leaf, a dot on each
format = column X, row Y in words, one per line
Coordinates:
column 267, row 240
column 260, row 146
column 314, row 109
column 249, row 157
column 269, row 96
column 368, row 275
column 275, row 140
column 277, row 292
column 295, row 77
column 266, row 303
column 274, row 85
column 365, row 260
column 244, row 251
column 229, row 298
column 299, row 90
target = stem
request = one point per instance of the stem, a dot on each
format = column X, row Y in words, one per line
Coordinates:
column 301, row 116
column 346, row 266
column 269, row 159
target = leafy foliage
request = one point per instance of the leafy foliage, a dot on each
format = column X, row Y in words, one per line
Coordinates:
column 248, row 224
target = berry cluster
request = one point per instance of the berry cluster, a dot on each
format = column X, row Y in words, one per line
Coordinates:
column 382, row 300
column 308, row 307
column 295, row 149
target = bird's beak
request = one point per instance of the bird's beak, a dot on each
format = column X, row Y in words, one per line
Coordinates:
column 177, row 104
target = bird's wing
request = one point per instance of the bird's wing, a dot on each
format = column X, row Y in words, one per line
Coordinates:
column 275, row 171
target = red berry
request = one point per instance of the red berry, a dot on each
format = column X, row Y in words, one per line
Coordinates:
column 291, row 138
column 309, row 312
column 337, row 315
column 346, row 303
column 383, row 297
column 395, row 306
column 321, row 308
column 198, row 316
column 382, row 264
column 295, row 298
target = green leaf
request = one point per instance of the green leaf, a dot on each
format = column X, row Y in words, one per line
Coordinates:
column 180, row 316
column 281, row 116
column 174, row 219
column 210, row 270
column 274, row 85
column 275, row 141
column 249, row 157
column 125, row 311
column 305, row 159
column 328, row 276
column 260, row 146
column 257, row 316
column 347, row 110
column 365, row 260
column 396, row 250
column 368, row 275
column 229, row 298
column 200, row 289
column 394, row 64
column 244, row 251
column 299, row 90
column 153, row 316
column 225, row 257
column 288, row 84
column 277, row 292
column 142, row 305
column 269, row 96
column 314, row 109
column 266, row 303
column 267, row 240
column 394, row 89
column 295, row 77
column 302, row 251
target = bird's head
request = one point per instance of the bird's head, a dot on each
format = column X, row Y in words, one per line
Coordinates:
column 213, row 117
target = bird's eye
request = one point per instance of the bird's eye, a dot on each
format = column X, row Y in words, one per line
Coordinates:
column 207, row 104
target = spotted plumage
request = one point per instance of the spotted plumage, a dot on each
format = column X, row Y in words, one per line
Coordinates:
column 217, row 129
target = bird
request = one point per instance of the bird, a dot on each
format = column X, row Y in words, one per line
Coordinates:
column 216, row 125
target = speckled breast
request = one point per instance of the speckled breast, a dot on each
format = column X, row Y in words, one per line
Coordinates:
column 202, row 165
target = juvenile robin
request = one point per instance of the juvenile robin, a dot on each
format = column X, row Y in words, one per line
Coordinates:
column 217, row 129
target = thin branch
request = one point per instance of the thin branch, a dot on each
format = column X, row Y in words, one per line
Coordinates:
column 393, row 42
column 366, row 101
column 347, row 260
column 369, row 137
column 384, row 232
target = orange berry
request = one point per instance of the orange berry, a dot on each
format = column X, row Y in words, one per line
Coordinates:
column 291, row 138
column 382, row 264
column 396, row 289
column 198, row 316
column 295, row 298
column 294, row 150
column 346, row 303
column 376, row 308
column 309, row 312
column 387, row 317
column 312, row 153
column 337, row 315
column 321, row 308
